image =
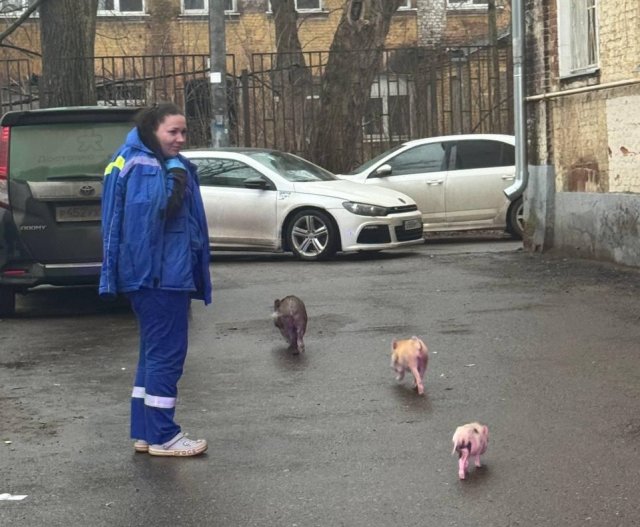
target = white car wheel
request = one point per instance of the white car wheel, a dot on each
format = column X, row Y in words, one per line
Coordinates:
column 311, row 235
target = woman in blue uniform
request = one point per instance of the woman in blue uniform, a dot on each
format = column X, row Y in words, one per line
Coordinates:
column 156, row 251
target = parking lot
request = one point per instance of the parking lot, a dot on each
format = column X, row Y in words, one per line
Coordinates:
column 544, row 350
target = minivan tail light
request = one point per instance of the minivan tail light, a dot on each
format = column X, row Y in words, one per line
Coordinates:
column 5, row 133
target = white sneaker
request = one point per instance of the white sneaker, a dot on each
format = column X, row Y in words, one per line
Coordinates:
column 179, row 446
column 140, row 445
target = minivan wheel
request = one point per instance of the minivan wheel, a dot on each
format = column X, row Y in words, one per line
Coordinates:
column 515, row 219
column 7, row 302
column 311, row 235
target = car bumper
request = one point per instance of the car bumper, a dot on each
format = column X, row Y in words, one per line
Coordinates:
column 34, row 274
column 361, row 233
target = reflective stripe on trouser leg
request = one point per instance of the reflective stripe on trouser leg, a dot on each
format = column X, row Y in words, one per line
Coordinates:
column 163, row 320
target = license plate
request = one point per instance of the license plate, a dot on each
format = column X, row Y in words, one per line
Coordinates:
column 78, row 213
column 410, row 225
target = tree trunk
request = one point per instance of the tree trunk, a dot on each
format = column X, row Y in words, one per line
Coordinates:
column 290, row 78
column 495, row 117
column 67, row 31
column 354, row 61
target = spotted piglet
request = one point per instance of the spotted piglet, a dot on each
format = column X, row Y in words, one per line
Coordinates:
column 290, row 317
column 471, row 439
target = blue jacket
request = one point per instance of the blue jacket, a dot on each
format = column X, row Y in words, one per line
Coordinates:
column 142, row 249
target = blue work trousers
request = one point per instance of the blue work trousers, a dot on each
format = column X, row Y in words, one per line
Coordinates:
column 163, row 321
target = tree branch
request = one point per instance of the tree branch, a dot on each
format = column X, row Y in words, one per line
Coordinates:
column 22, row 50
column 21, row 19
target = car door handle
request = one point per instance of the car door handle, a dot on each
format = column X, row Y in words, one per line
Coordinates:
column 435, row 181
column 508, row 178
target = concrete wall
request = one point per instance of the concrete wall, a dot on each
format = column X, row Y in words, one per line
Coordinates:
column 581, row 224
column 598, row 226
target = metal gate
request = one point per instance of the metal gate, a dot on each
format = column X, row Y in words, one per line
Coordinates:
column 417, row 93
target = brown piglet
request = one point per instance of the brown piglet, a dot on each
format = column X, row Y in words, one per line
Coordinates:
column 290, row 317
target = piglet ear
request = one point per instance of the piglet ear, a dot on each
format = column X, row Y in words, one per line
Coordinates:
column 276, row 303
column 485, row 430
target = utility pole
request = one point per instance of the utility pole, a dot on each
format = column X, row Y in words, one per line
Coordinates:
column 218, row 74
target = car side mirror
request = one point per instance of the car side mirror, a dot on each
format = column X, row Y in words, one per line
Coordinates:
column 382, row 171
column 256, row 183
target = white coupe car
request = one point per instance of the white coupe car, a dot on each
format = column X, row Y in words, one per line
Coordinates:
column 458, row 181
column 266, row 200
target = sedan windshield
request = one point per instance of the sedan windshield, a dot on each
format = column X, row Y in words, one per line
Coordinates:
column 292, row 168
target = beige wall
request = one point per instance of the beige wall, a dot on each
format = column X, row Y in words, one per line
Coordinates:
column 592, row 139
column 165, row 31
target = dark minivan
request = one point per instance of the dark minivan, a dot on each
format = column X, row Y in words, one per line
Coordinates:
column 51, row 170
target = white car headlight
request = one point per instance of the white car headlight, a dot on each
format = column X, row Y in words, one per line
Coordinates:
column 364, row 209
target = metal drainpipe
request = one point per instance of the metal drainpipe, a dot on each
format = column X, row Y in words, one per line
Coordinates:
column 517, row 35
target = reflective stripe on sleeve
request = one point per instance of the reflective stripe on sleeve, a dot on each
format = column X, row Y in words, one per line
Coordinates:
column 118, row 163
column 159, row 402
column 138, row 392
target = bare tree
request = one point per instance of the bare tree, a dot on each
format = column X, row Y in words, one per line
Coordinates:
column 290, row 77
column 67, row 34
column 16, row 24
column 354, row 62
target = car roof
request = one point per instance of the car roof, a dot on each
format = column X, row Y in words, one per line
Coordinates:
column 69, row 114
column 457, row 137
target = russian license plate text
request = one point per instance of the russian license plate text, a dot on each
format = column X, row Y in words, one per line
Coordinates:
column 78, row 213
column 410, row 225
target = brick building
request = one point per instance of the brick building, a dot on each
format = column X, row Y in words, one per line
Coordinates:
column 170, row 27
column 583, row 105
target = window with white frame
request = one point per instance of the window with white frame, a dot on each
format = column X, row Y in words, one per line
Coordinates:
column 121, row 7
column 14, row 7
column 120, row 93
column 201, row 7
column 406, row 4
column 308, row 5
column 388, row 110
column 305, row 5
column 577, row 37
column 466, row 4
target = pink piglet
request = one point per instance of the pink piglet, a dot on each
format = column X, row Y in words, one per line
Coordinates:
column 471, row 439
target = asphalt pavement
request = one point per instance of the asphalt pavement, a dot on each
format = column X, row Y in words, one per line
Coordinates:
column 542, row 349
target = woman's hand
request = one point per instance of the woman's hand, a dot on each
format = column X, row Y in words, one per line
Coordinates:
column 176, row 185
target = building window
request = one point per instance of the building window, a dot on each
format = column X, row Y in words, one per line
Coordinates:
column 577, row 37
column 120, row 7
column 466, row 4
column 201, row 7
column 388, row 112
column 305, row 5
column 308, row 5
column 14, row 7
column 407, row 4
column 120, row 93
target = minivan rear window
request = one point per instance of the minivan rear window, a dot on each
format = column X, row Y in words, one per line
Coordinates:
column 63, row 151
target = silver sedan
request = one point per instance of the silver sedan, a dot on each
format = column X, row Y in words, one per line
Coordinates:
column 458, row 181
column 266, row 200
